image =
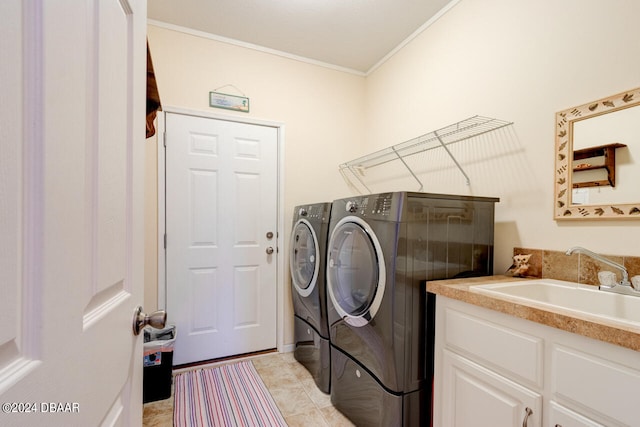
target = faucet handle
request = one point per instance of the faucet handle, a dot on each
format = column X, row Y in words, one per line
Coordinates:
column 607, row 278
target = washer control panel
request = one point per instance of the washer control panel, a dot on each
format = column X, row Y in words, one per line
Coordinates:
column 315, row 212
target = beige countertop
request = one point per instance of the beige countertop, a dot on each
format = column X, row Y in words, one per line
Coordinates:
column 610, row 331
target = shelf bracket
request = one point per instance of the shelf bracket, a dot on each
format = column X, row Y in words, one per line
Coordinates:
column 408, row 168
column 466, row 177
column 357, row 176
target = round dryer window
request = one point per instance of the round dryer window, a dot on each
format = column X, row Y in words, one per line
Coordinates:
column 356, row 271
column 304, row 262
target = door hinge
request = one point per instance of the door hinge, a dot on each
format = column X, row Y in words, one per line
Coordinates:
column 164, row 139
column 165, row 240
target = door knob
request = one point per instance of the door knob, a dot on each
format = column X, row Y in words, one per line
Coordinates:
column 157, row 320
column 269, row 250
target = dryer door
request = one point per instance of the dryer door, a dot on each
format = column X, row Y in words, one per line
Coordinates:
column 355, row 271
column 304, row 262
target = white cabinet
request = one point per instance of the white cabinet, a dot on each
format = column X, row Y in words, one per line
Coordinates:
column 476, row 396
column 496, row 370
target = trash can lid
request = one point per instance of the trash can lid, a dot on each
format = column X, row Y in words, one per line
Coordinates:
column 164, row 334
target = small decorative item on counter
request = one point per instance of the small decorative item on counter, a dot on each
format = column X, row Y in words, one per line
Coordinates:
column 520, row 266
column 635, row 281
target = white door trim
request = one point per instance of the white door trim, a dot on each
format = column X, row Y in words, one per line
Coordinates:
column 280, row 271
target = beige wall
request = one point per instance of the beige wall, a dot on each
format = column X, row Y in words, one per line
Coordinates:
column 321, row 110
column 520, row 61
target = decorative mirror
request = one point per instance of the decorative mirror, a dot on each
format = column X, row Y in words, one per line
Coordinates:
column 597, row 159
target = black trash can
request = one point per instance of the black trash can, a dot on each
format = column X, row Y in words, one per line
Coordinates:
column 158, row 363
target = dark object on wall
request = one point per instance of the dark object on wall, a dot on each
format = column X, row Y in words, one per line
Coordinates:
column 153, row 97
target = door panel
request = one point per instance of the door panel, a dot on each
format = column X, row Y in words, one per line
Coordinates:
column 221, row 200
column 72, row 175
column 13, row 310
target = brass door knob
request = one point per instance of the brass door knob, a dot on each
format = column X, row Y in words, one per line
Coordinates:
column 157, row 320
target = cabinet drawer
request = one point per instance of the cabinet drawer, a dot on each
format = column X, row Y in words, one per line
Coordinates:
column 514, row 354
column 597, row 386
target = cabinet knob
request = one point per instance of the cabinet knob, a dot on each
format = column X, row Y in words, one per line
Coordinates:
column 527, row 413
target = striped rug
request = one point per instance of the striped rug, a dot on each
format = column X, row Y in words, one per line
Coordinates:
column 229, row 395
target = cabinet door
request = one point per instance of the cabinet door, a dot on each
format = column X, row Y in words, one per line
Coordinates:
column 474, row 396
column 560, row 416
column 595, row 383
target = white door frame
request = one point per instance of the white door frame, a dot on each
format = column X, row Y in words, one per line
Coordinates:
column 280, row 271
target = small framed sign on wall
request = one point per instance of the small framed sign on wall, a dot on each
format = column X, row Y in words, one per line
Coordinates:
column 229, row 102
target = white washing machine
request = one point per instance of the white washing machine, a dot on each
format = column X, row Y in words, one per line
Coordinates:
column 308, row 250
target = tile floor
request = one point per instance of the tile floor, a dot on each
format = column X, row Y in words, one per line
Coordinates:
column 290, row 384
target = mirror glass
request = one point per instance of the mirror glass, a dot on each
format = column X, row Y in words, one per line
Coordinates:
column 619, row 127
column 597, row 155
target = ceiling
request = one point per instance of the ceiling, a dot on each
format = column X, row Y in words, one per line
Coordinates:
column 355, row 35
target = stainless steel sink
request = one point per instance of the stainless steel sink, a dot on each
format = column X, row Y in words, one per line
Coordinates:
column 573, row 297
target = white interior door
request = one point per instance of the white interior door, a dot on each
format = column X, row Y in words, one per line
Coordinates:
column 71, row 135
column 221, row 205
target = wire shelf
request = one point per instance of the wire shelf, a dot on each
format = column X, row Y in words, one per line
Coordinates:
column 438, row 139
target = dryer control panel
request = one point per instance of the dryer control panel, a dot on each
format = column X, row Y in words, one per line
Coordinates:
column 381, row 206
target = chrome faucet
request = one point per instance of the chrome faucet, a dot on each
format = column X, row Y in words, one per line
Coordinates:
column 624, row 286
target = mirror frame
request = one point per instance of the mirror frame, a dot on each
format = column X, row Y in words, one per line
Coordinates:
column 565, row 120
